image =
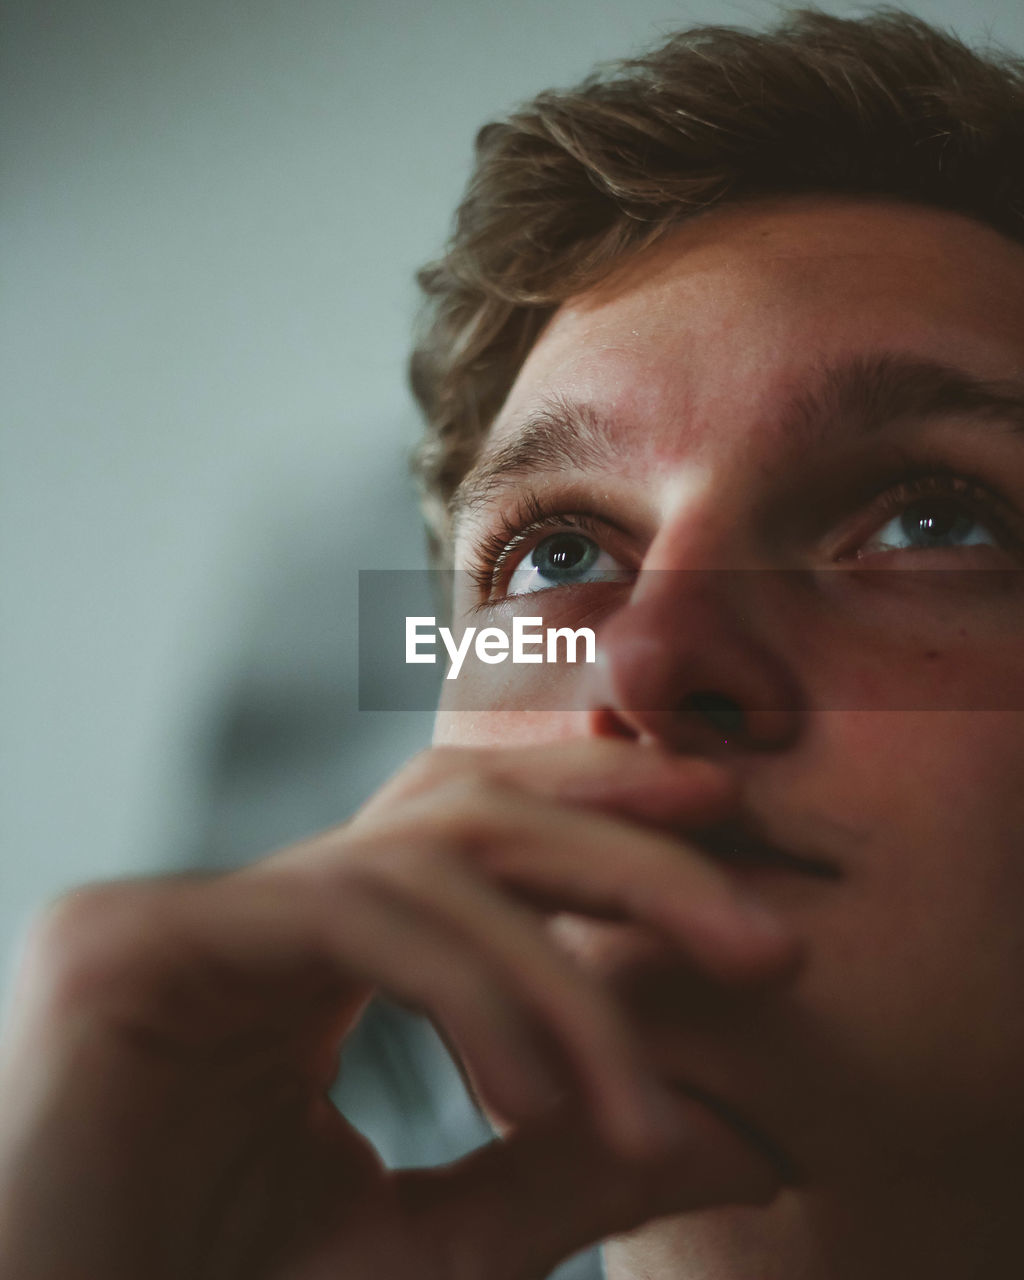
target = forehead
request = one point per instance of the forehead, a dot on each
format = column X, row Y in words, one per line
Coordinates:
column 746, row 302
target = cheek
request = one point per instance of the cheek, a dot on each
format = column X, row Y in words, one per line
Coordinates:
column 939, row 796
column 918, row 964
column 939, row 774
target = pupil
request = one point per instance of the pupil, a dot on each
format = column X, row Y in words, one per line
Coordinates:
column 564, row 553
column 934, row 520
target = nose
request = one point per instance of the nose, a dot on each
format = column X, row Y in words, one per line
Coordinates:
column 683, row 664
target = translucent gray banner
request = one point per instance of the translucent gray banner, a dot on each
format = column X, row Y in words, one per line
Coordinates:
column 755, row 640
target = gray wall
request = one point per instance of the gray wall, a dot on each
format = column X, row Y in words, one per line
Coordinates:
column 211, row 214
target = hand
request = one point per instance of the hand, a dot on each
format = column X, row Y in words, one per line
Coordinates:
column 164, row 1083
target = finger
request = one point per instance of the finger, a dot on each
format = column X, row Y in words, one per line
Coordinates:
column 514, row 1209
column 433, row 933
column 560, row 1012
column 644, row 781
column 590, row 864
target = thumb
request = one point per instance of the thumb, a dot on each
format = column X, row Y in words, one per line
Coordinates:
column 516, row 1208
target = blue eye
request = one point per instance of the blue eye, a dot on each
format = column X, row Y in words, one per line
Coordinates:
column 561, row 558
column 931, row 523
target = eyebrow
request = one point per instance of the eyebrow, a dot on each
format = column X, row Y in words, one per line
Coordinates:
column 557, row 435
column 866, row 393
column 860, row 395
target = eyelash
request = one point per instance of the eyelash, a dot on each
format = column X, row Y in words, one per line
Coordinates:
column 983, row 502
column 532, row 516
column 529, row 517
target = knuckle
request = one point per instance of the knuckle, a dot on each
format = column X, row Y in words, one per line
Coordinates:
column 420, row 775
column 427, row 769
column 461, row 815
column 412, row 862
column 467, row 803
column 81, row 946
column 74, row 922
column 438, row 766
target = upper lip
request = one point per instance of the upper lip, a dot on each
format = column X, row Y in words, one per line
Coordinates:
column 740, row 842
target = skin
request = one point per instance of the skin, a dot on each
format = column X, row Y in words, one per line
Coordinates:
column 881, row 731
column 796, row 1076
column 165, row 1073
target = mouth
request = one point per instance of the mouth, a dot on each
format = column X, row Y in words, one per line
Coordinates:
column 781, row 1161
column 740, row 844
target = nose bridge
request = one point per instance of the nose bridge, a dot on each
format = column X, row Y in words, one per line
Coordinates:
column 691, row 661
column 705, row 506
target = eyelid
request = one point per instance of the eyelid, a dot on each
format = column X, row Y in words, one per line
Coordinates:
column 988, row 506
column 532, row 517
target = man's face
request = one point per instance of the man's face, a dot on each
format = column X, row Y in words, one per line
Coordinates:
column 781, row 405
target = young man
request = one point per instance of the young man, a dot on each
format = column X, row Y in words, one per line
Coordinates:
column 727, row 361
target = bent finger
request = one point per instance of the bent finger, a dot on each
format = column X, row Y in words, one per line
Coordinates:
column 516, row 1208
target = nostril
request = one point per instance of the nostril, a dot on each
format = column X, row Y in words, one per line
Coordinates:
column 719, row 709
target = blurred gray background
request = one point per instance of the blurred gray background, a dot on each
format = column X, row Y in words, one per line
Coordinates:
column 212, row 211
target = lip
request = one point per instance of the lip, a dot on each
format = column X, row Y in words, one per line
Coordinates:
column 741, row 844
column 751, row 1133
